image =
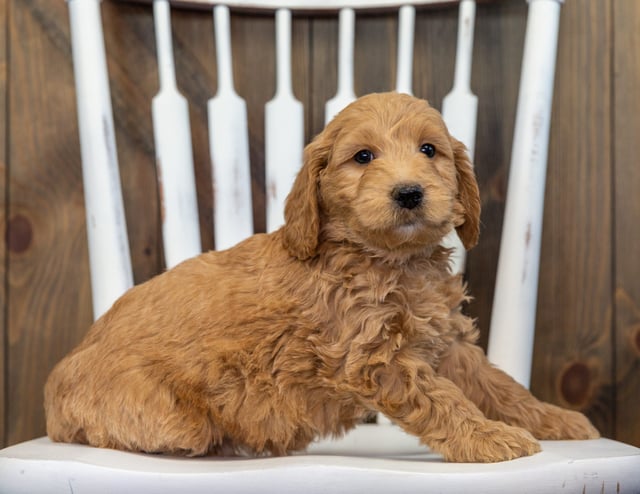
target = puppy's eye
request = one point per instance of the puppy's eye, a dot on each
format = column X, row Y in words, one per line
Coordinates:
column 364, row 156
column 428, row 149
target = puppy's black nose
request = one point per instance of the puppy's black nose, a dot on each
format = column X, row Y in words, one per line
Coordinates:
column 408, row 196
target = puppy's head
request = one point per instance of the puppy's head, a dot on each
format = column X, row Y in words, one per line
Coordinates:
column 385, row 174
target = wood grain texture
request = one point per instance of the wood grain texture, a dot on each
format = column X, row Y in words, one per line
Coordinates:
column 573, row 352
column 3, row 224
column 254, row 77
column 626, row 129
column 133, row 77
column 587, row 345
column 48, row 305
column 323, row 71
column 194, row 52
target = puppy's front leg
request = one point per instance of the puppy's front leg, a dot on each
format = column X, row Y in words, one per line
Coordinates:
column 435, row 410
column 501, row 398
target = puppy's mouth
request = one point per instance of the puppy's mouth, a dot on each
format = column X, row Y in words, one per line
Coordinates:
column 416, row 223
column 408, row 223
column 416, row 226
column 405, row 219
column 409, row 230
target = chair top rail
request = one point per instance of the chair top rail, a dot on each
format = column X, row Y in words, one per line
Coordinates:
column 308, row 6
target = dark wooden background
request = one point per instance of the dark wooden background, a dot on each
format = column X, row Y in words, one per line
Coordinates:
column 587, row 348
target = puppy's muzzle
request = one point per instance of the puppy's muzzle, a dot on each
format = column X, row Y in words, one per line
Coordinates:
column 408, row 196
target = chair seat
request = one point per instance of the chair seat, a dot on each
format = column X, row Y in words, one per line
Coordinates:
column 356, row 463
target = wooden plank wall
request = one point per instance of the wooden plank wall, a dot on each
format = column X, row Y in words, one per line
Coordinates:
column 587, row 350
column 3, row 202
column 47, row 281
column 573, row 352
column 626, row 266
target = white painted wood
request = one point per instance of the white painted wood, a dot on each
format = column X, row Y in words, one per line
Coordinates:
column 174, row 157
column 314, row 5
column 40, row 466
column 345, row 93
column 460, row 105
column 514, row 304
column 229, row 146
column 109, row 256
column 460, row 109
column 406, row 28
column 284, row 128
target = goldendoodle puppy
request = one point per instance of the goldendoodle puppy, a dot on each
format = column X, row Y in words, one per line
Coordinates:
column 348, row 309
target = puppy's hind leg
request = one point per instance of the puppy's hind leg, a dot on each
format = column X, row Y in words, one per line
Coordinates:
column 500, row 397
column 162, row 422
column 131, row 415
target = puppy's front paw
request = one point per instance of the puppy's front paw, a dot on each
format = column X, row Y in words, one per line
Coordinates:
column 492, row 442
column 559, row 423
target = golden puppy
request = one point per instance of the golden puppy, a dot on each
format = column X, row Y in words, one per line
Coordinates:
column 347, row 310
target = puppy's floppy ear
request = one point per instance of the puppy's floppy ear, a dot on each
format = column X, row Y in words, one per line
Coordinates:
column 468, row 196
column 301, row 211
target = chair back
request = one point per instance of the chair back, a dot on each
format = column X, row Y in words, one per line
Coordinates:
column 513, row 315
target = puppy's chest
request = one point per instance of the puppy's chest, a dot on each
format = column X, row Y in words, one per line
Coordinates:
column 407, row 307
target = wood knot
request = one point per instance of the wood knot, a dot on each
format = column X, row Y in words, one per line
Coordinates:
column 497, row 186
column 575, row 384
column 19, row 234
column 635, row 339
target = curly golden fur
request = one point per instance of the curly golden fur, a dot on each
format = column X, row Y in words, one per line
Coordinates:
column 347, row 310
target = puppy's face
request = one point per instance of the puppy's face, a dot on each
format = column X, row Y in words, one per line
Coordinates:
column 389, row 176
column 390, row 180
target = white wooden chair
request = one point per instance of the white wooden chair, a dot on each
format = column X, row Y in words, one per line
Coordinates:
column 374, row 457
